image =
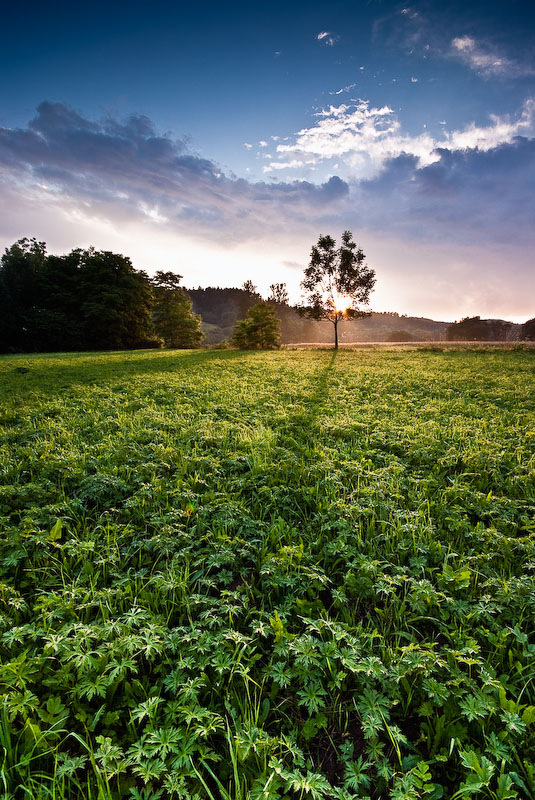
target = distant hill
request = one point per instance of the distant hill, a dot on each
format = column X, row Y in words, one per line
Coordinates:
column 221, row 308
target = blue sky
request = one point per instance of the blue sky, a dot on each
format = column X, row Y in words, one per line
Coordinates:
column 220, row 140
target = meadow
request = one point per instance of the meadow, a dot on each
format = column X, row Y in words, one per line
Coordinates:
column 246, row 576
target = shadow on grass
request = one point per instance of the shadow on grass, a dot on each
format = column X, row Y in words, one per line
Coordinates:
column 53, row 373
column 303, row 426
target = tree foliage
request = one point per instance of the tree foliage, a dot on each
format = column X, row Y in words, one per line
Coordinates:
column 116, row 302
column 249, row 287
column 337, row 282
column 528, row 330
column 260, row 330
column 173, row 318
column 84, row 300
column 278, row 294
column 20, row 289
column 475, row 329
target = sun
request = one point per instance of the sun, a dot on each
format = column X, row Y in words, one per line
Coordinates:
column 341, row 303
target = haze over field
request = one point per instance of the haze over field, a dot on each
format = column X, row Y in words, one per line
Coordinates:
column 219, row 141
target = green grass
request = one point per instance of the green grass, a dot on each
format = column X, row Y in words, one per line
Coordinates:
column 283, row 575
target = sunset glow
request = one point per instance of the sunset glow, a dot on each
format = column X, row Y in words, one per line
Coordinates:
column 342, row 303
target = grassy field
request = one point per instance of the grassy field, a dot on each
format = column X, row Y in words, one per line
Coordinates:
column 244, row 576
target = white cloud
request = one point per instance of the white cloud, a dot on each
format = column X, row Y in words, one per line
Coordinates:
column 285, row 165
column 328, row 38
column 414, row 80
column 332, row 111
column 365, row 138
column 501, row 131
column 345, row 89
column 262, row 143
column 435, row 234
column 485, row 60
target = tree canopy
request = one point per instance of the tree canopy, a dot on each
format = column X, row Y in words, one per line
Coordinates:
column 278, row 294
column 528, row 330
column 472, row 329
column 260, row 330
column 85, row 300
column 337, row 282
column 172, row 315
column 249, row 287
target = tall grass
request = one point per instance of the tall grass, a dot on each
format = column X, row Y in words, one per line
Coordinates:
column 281, row 575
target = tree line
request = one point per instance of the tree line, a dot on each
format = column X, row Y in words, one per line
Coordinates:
column 89, row 300
column 475, row 329
column 95, row 300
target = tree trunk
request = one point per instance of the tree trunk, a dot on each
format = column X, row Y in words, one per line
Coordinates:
column 336, row 334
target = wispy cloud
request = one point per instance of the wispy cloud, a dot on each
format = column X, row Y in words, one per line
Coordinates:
column 486, row 60
column 434, row 33
column 406, row 29
column 366, row 138
column 345, row 89
column 327, row 38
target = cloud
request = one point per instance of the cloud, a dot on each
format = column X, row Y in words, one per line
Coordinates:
column 345, row 88
column 116, row 170
column 485, row 60
column 293, row 164
column 327, row 38
column 293, row 264
column 434, row 214
column 367, row 138
column 406, row 29
column 468, row 195
column 433, row 32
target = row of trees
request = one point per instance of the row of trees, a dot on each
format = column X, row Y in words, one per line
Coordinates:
column 96, row 300
column 89, row 300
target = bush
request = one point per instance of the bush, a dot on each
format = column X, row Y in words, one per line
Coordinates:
column 260, row 330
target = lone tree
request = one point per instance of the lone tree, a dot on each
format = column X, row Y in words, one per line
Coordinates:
column 172, row 313
column 337, row 282
column 260, row 330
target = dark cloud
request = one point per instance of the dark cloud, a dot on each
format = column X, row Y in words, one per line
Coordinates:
column 128, row 165
column 466, row 196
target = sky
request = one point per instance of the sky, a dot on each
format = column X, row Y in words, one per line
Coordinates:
column 220, row 140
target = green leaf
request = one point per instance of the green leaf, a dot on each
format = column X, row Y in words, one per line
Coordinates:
column 56, row 531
